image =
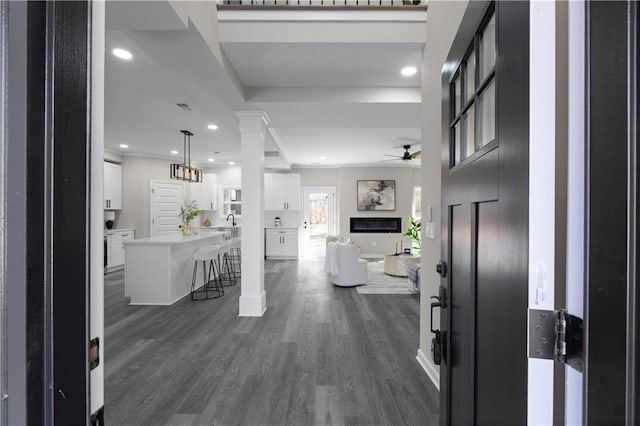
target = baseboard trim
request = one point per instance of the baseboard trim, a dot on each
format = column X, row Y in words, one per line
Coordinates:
column 429, row 368
column 252, row 306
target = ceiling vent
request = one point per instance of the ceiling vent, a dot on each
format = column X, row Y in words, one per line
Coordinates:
column 184, row 107
column 271, row 154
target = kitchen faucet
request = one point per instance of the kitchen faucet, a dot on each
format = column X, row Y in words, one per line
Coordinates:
column 233, row 219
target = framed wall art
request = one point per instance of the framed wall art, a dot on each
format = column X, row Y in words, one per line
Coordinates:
column 376, row 195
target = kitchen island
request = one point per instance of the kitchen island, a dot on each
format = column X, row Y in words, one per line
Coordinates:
column 158, row 270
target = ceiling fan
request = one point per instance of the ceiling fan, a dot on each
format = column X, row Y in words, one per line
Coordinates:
column 406, row 156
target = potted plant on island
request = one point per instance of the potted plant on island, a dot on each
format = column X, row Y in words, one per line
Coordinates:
column 188, row 212
column 414, row 233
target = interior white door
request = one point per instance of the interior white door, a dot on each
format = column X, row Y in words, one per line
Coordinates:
column 318, row 219
column 166, row 198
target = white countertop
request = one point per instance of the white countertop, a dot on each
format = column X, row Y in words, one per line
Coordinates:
column 216, row 226
column 111, row 231
column 176, row 238
column 281, row 227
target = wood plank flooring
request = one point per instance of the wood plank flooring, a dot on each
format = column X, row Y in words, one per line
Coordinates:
column 321, row 355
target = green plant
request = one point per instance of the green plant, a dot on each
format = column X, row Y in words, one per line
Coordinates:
column 189, row 211
column 414, row 232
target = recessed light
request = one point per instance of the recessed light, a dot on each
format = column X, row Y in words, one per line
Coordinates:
column 174, row 152
column 408, row 71
column 323, row 157
column 231, row 163
column 211, row 160
column 212, row 127
column 122, row 145
column 122, row 54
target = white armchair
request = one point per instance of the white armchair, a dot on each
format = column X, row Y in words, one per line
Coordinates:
column 344, row 266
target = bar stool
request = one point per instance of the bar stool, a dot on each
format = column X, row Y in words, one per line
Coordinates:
column 236, row 256
column 226, row 272
column 211, row 288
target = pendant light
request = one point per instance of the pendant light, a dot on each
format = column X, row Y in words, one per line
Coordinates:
column 184, row 171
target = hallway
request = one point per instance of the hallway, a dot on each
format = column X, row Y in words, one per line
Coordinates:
column 321, row 355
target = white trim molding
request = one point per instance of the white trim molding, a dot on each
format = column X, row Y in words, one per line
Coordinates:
column 429, row 368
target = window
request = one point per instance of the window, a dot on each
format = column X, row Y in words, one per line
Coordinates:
column 473, row 98
column 230, row 201
column 416, row 205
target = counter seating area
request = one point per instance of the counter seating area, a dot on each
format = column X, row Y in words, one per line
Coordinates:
column 160, row 270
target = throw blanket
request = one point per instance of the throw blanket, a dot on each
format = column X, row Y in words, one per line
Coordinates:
column 331, row 259
column 414, row 277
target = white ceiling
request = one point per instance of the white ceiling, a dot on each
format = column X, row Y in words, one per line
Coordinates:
column 171, row 66
column 324, row 64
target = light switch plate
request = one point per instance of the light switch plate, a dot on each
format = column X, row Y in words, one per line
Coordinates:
column 430, row 230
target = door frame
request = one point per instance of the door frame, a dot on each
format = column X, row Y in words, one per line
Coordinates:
column 611, row 317
column 332, row 222
column 48, row 177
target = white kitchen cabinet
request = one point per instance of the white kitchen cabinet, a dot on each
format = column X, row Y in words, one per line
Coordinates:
column 281, row 191
column 112, row 186
column 206, row 192
column 116, row 247
column 281, row 243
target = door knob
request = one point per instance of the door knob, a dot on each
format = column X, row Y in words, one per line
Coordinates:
column 441, row 269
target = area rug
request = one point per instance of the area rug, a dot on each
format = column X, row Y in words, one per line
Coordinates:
column 381, row 283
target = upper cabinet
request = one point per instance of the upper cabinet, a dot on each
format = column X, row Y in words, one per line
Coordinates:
column 206, row 192
column 112, row 186
column 281, row 191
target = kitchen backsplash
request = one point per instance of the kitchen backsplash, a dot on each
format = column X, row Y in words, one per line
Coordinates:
column 289, row 218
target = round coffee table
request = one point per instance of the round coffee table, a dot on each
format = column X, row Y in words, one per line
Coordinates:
column 398, row 266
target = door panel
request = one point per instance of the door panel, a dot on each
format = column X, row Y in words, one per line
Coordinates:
column 488, row 324
column 460, row 321
column 483, row 376
column 166, row 200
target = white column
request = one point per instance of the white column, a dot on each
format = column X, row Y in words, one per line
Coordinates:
column 253, row 128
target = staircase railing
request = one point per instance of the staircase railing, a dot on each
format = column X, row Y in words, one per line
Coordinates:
column 323, row 3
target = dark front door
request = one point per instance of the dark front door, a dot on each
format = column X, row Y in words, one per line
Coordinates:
column 483, row 375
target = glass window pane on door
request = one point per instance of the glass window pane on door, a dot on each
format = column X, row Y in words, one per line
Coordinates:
column 456, row 145
column 487, row 49
column 457, row 89
column 468, row 135
column 487, row 115
column 469, row 76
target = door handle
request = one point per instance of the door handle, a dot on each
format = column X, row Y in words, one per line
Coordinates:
column 437, row 340
column 433, row 306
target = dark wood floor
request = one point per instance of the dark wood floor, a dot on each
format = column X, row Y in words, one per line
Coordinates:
column 321, row 355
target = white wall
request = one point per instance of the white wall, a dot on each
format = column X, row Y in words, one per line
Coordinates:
column 137, row 174
column 318, row 177
column 345, row 180
column 227, row 176
column 377, row 244
column 443, row 19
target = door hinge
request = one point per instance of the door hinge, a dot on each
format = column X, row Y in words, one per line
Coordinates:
column 556, row 335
